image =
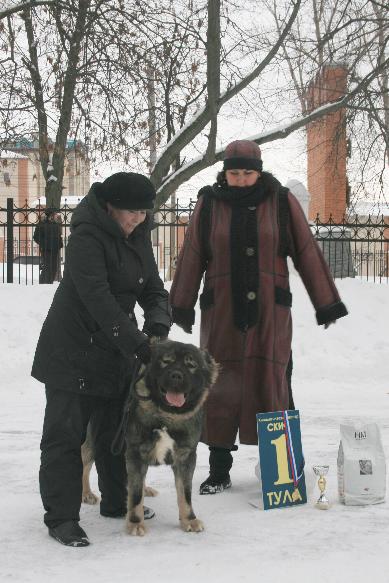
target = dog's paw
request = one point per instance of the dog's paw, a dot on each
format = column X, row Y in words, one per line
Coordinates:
column 194, row 525
column 149, row 491
column 136, row 528
column 90, row 498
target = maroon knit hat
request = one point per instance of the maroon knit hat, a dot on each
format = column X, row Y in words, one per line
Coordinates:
column 242, row 154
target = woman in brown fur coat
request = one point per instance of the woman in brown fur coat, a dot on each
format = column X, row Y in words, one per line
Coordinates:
column 240, row 234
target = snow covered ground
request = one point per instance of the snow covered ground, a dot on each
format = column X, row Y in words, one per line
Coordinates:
column 340, row 375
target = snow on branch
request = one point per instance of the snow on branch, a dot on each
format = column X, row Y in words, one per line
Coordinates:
column 14, row 7
column 204, row 116
column 175, row 179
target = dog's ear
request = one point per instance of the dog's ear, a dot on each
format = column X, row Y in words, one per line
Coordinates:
column 211, row 365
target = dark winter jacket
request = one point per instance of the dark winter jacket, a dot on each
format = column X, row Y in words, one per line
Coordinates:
column 253, row 358
column 88, row 339
column 48, row 235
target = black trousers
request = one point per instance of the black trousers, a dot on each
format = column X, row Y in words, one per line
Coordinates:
column 49, row 265
column 60, row 477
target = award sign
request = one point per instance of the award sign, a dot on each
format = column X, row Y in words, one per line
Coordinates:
column 281, row 459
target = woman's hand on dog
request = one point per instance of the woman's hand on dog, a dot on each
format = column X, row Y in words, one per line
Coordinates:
column 143, row 352
column 159, row 331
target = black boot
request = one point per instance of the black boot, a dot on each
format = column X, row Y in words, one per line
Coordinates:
column 220, row 463
column 147, row 511
column 70, row 534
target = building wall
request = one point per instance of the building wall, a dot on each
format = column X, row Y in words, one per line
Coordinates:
column 21, row 178
column 327, row 148
column 77, row 174
column 9, row 179
column 27, row 181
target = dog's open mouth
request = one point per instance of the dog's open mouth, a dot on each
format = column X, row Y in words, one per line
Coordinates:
column 174, row 399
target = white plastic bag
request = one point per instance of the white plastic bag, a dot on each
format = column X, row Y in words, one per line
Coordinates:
column 361, row 465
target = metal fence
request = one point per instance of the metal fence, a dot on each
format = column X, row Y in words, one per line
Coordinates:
column 357, row 247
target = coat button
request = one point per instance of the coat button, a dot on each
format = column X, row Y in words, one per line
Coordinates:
column 250, row 251
column 140, row 280
column 251, row 295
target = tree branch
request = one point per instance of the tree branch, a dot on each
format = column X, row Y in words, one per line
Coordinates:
column 213, row 72
column 186, row 172
column 24, row 6
column 201, row 119
column 33, row 67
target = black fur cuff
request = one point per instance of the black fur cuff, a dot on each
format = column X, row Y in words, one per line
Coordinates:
column 331, row 313
column 183, row 316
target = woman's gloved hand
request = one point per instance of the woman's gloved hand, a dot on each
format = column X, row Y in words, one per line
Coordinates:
column 186, row 327
column 184, row 318
column 143, row 352
column 159, row 331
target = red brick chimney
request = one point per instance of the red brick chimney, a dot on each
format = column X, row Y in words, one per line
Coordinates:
column 326, row 146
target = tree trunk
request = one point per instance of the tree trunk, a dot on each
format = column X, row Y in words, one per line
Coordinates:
column 55, row 178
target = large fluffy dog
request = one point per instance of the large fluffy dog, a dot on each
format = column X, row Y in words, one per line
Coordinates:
column 164, row 427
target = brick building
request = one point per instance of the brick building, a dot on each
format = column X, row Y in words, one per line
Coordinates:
column 21, row 175
column 327, row 147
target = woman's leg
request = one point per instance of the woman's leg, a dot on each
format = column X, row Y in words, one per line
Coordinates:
column 220, row 464
column 60, row 476
column 111, row 469
column 289, row 370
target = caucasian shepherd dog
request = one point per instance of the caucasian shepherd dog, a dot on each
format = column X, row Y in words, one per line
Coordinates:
column 164, row 427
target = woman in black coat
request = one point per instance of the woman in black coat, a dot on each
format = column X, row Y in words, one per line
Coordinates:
column 88, row 344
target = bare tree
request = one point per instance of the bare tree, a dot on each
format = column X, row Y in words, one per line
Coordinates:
column 20, row 6
column 92, row 67
column 167, row 181
column 355, row 34
column 87, row 73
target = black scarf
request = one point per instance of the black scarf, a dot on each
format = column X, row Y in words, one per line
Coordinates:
column 243, row 249
column 239, row 197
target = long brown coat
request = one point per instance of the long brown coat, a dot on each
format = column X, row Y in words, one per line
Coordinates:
column 253, row 363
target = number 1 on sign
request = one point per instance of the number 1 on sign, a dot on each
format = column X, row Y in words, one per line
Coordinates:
column 282, row 461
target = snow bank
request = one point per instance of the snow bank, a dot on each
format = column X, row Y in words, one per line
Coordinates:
column 340, row 374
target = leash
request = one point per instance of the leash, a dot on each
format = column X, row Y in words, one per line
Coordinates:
column 120, row 436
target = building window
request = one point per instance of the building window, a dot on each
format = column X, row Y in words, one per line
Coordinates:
column 7, row 179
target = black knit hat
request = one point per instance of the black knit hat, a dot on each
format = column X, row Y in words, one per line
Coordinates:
column 242, row 154
column 128, row 190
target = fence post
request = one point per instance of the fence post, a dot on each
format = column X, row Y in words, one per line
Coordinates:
column 10, row 240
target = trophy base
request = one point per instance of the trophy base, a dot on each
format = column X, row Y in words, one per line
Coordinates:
column 323, row 503
column 322, row 506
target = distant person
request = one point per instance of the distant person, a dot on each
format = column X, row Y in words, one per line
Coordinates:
column 48, row 236
column 88, row 345
column 240, row 234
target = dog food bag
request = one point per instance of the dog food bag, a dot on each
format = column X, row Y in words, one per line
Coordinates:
column 361, row 465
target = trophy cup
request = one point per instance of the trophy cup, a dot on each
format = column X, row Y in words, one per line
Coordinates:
column 322, row 502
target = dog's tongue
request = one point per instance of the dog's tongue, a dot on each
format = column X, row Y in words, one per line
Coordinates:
column 175, row 399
